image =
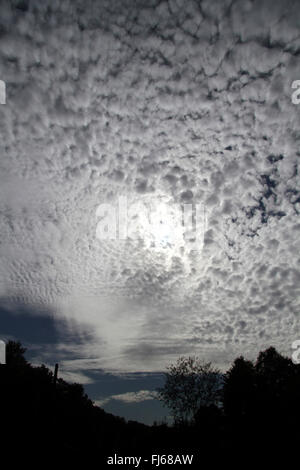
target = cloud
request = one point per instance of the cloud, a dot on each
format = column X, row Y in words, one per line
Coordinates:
column 186, row 104
column 129, row 397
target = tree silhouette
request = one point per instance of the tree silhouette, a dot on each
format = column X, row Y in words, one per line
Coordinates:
column 277, row 385
column 261, row 400
column 15, row 354
column 189, row 384
column 239, row 388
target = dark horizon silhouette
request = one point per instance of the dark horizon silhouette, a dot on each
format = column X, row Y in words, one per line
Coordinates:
column 259, row 412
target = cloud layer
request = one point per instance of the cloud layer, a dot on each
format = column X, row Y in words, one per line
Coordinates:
column 185, row 102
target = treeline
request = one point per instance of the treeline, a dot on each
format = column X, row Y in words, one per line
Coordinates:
column 253, row 412
column 42, row 418
column 260, row 408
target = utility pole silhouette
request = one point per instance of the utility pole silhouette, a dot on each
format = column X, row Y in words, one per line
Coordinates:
column 55, row 374
column 2, row 352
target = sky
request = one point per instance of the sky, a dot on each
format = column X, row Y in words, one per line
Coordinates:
column 183, row 109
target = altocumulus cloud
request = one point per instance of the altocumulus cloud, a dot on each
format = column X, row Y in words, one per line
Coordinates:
column 181, row 101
